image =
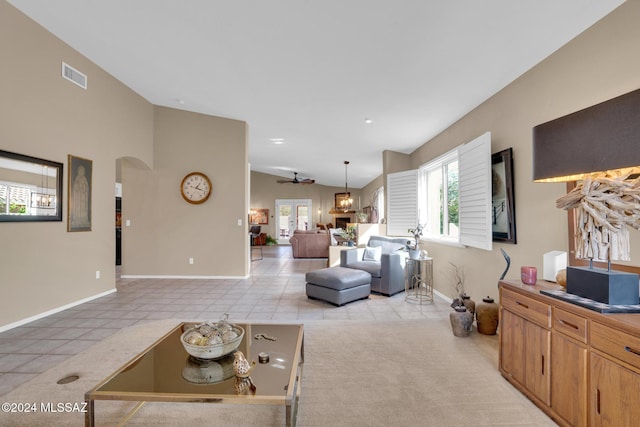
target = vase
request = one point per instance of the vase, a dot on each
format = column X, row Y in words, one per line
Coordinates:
column 487, row 315
column 414, row 253
column 469, row 303
column 461, row 321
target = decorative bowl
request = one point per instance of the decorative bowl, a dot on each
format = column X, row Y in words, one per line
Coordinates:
column 213, row 351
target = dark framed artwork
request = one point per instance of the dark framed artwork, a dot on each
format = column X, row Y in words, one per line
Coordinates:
column 30, row 188
column 259, row 216
column 503, row 206
column 339, row 197
column 79, row 194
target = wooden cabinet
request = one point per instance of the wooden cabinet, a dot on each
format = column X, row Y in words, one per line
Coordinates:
column 613, row 394
column 569, row 379
column 526, row 344
column 579, row 366
column 615, row 382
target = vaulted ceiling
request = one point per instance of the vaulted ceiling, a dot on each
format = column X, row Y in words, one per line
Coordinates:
column 307, row 75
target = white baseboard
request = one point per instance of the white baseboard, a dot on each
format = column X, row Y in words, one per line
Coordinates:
column 443, row 296
column 54, row 311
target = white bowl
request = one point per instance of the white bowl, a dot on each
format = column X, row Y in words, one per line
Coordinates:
column 213, row 351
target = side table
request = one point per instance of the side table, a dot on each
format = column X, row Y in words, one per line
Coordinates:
column 418, row 280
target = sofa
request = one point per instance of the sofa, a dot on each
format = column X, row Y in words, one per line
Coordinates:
column 383, row 258
column 310, row 243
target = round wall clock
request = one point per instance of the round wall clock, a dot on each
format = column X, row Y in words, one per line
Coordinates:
column 195, row 188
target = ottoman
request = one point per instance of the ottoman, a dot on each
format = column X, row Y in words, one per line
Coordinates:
column 338, row 285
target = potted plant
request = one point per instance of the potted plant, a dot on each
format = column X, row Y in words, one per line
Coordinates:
column 414, row 247
column 349, row 234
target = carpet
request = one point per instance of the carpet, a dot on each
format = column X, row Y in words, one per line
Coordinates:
column 356, row 373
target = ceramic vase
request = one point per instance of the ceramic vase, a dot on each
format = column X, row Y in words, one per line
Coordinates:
column 469, row 304
column 487, row 315
column 414, row 253
column 461, row 321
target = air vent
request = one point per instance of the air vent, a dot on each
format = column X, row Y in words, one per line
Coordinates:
column 74, row 76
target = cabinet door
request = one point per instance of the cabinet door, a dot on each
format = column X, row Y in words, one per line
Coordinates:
column 512, row 345
column 614, row 394
column 569, row 379
column 537, row 364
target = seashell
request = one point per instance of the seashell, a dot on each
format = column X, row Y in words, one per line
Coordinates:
column 244, row 386
column 241, row 366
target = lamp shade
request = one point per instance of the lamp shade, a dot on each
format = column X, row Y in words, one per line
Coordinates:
column 602, row 137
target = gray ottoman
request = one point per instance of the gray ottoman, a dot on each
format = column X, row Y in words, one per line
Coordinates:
column 338, row 285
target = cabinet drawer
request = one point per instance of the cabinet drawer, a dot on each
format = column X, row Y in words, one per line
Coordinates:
column 621, row 345
column 530, row 309
column 570, row 324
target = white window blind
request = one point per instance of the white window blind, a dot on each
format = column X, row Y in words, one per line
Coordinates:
column 402, row 202
column 475, row 193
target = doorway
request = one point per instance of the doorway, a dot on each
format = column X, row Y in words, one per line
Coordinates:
column 292, row 214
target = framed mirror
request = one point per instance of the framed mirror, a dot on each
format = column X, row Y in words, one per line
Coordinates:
column 30, row 188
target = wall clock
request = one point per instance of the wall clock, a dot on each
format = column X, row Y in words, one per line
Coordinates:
column 195, row 188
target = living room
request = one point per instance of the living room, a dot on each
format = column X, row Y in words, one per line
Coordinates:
column 156, row 146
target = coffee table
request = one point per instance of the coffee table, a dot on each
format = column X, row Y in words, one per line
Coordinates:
column 165, row 372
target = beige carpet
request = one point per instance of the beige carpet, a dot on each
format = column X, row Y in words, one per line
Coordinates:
column 356, row 373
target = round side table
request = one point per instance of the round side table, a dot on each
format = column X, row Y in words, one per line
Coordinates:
column 418, row 280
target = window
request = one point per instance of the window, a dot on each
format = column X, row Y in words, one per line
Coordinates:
column 14, row 199
column 450, row 196
column 438, row 197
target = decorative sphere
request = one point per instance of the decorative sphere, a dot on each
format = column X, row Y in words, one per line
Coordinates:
column 561, row 278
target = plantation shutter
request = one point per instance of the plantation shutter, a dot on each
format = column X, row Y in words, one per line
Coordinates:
column 402, row 202
column 475, row 192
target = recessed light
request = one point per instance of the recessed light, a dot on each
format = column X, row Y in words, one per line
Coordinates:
column 277, row 141
column 367, row 121
column 180, row 101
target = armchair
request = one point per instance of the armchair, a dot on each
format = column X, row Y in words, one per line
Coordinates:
column 386, row 264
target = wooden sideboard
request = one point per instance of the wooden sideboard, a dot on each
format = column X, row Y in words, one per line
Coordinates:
column 579, row 366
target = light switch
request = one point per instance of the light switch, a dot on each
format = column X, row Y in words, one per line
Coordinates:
column 239, row 223
column 127, row 223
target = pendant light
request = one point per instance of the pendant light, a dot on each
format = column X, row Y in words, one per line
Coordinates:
column 347, row 201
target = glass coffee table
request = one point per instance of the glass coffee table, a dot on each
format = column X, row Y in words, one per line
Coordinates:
column 165, row 372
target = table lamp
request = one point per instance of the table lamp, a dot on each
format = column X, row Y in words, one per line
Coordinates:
column 600, row 147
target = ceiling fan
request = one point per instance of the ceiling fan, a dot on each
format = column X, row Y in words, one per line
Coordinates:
column 295, row 180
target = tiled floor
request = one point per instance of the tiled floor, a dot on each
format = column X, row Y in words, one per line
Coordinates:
column 275, row 291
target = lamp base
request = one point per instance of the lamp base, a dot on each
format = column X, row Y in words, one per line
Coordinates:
column 606, row 286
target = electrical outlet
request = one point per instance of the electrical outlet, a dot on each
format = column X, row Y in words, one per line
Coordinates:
column 190, row 260
column 239, row 223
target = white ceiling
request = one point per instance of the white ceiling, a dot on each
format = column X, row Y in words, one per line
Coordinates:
column 312, row 71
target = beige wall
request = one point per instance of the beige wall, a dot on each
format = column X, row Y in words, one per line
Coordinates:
column 601, row 63
column 165, row 230
column 265, row 190
column 42, row 115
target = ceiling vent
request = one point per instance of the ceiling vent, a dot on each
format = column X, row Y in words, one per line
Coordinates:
column 74, row 76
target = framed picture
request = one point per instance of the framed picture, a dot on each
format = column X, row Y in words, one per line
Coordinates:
column 503, row 204
column 79, row 194
column 339, row 197
column 259, row 216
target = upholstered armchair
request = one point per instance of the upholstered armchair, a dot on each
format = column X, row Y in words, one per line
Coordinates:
column 384, row 259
